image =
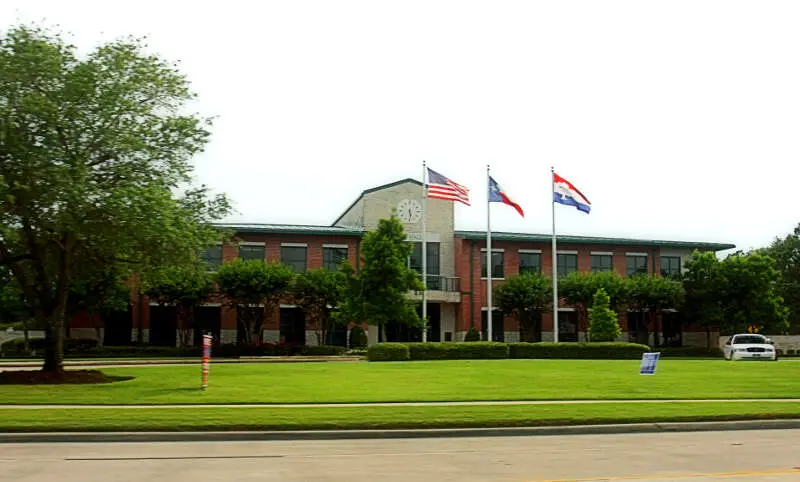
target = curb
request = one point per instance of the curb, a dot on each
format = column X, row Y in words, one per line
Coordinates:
column 611, row 429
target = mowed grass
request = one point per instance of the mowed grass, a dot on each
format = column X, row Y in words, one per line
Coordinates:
column 427, row 381
column 343, row 418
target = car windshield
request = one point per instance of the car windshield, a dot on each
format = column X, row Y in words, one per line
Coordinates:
column 740, row 340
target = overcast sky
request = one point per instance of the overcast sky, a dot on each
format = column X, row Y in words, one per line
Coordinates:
column 677, row 119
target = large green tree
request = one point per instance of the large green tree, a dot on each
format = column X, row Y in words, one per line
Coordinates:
column 702, row 284
column 578, row 290
column 525, row 297
column 750, row 288
column 254, row 289
column 317, row 292
column 378, row 293
column 100, row 291
column 650, row 296
column 95, row 156
column 786, row 253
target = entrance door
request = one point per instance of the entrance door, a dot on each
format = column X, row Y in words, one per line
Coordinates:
column 498, row 332
column 163, row 326
column 293, row 326
column 672, row 328
column 434, row 321
column 117, row 327
column 207, row 320
column 568, row 326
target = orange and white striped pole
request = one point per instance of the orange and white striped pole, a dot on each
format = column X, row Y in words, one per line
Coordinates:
column 206, row 360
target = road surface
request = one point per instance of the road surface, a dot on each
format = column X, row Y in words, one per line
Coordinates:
column 742, row 456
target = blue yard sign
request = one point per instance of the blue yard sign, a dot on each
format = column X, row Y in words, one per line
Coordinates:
column 649, row 362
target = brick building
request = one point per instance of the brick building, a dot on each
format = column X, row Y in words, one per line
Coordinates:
column 456, row 275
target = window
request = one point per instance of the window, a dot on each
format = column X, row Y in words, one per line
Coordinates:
column 567, row 263
column 212, row 257
column 251, row 252
column 332, row 258
column 497, row 265
column 636, row 265
column 432, row 268
column 601, row 262
column 294, row 257
column 671, row 266
column 530, row 263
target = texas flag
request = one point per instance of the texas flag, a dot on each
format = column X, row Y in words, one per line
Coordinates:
column 497, row 195
column 565, row 193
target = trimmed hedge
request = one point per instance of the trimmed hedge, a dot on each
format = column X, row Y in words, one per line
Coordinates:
column 581, row 351
column 690, row 351
column 475, row 350
column 325, row 350
column 388, row 352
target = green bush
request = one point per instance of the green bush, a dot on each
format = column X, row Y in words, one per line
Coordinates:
column 388, row 352
column 458, row 351
column 600, row 351
column 690, row 351
column 325, row 350
column 358, row 337
column 472, row 335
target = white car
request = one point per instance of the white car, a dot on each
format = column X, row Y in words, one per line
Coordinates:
column 749, row 346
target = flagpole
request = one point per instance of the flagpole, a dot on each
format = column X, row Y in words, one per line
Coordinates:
column 555, row 258
column 488, row 259
column 424, row 252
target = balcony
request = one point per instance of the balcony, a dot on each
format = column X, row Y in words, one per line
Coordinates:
column 442, row 289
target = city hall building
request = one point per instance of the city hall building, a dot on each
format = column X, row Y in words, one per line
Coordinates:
column 456, row 266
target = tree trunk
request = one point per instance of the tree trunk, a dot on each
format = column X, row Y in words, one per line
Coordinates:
column 26, row 334
column 54, row 342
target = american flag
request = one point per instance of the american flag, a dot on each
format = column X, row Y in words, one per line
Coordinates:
column 440, row 187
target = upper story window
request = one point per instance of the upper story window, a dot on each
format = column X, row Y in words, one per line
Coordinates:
column 567, row 264
column 635, row 264
column 294, row 256
column 530, row 262
column 671, row 266
column 602, row 263
column 249, row 252
column 212, row 257
column 333, row 257
column 497, row 264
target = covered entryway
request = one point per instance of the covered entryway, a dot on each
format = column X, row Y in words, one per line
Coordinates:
column 498, row 325
column 207, row 320
column 293, row 326
column 117, row 327
column 163, row 325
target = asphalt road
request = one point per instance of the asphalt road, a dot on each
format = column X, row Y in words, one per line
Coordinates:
column 763, row 456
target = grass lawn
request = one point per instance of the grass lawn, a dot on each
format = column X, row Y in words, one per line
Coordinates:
column 153, row 419
column 427, row 381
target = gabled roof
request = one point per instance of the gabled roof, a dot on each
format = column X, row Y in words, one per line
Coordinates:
column 373, row 189
column 546, row 238
column 254, row 228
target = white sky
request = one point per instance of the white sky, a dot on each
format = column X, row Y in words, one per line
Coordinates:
column 677, row 119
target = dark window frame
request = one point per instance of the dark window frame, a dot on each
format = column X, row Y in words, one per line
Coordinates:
column 599, row 266
column 252, row 247
column 637, row 267
column 532, row 265
column 332, row 257
column 294, row 262
column 673, row 268
column 211, row 262
column 563, row 266
column 496, row 266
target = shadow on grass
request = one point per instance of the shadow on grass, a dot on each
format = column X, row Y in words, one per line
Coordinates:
column 66, row 377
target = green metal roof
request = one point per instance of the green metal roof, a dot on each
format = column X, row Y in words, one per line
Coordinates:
column 373, row 189
column 546, row 238
column 290, row 229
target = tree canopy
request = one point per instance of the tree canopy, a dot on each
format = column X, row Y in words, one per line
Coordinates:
column 377, row 294
column 95, row 166
column 578, row 290
column 525, row 297
column 317, row 292
column 786, row 253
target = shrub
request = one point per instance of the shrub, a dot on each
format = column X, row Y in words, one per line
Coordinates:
column 325, row 350
column 358, row 337
column 690, row 351
column 388, row 352
column 603, row 324
column 356, row 352
column 472, row 335
column 601, row 351
column 458, row 351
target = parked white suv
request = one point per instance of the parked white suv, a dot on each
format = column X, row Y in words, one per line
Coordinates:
column 749, row 346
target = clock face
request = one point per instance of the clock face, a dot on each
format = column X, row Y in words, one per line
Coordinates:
column 409, row 211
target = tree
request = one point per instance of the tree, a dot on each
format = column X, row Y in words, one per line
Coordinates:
column 603, row 324
column 651, row 295
column 525, row 297
column 750, row 294
column 317, row 292
column 378, row 294
column 94, row 160
column 786, row 253
column 253, row 288
column 578, row 290
column 702, row 285
column 185, row 288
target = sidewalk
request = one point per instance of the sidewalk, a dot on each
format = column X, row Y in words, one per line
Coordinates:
column 395, row 404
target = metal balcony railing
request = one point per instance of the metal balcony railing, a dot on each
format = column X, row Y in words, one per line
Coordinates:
column 449, row 284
